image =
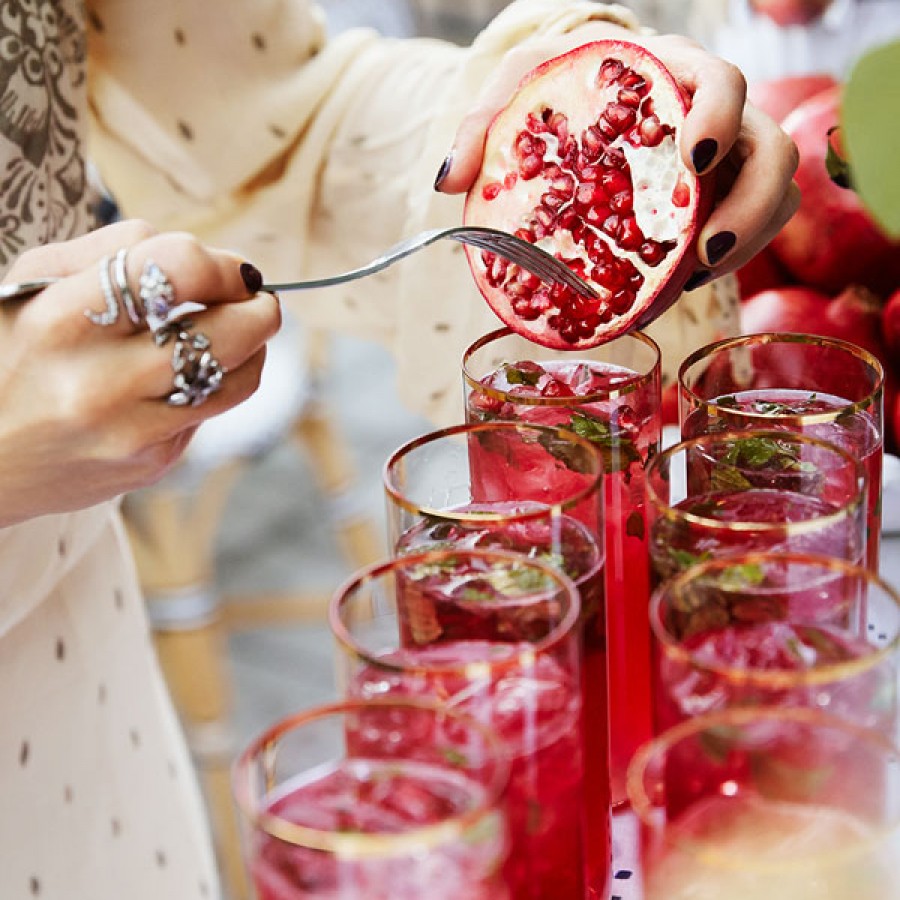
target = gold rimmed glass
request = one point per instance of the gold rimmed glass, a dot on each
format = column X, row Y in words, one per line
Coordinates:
column 777, row 629
column 822, row 387
column 536, row 490
column 611, row 395
column 731, row 492
column 768, row 804
column 377, row 799
column 509, row 655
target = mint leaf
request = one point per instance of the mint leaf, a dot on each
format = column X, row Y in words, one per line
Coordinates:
column 517, row 373
column 616, row 447
column 728, row 478
column 685, row 559
column 742, row 576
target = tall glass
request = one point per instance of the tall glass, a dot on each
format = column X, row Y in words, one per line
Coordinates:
column 517, row 671
column 768, row 804
column 777, row 629
column 822, row 387
column 610, row 395
column 731, row 492
column 383, row 799
column 535, row 490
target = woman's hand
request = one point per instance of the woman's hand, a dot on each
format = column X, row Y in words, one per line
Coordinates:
column 755, row 160
column 83, row 407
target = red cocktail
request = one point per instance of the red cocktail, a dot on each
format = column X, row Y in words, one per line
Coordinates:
column 535, row 490
column 780, row 629
column 767, row 804
column 822, row 387
column 731, row 492
column 520, row 677
column 383, row 800
column 611, row 396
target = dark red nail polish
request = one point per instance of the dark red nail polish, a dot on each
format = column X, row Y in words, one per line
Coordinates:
column 698, row 279
column 252, row 277
column 718, row 245
column 443, row 171
column 703, row 154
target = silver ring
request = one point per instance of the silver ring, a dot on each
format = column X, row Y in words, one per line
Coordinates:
column 110, row 315
column 121, row 275
column 197, row 372
column 157, row 295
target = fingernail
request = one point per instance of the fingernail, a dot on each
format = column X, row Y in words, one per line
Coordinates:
column 698, row 279
column 703, row 154
column 718, row 245
column 443, row 171
column 252, row 277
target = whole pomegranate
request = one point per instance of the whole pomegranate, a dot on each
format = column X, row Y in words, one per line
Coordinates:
column 855, row 315
column 831, row 241
column 890, row 325
column 791, row 12
column 779, row 96
column 584, row 162
column 760, row 273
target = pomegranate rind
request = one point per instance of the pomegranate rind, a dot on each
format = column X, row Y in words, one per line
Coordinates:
column 570, row 200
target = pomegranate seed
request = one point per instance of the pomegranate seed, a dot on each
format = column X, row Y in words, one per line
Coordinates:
column 635, row 82
column 525, row 234
column 629, row 236
column 526, row 310
column 593, row 143
column 621, row 202
column 611, row 225
column 563, row 186
column 607, row 129
column 610, row 70
column 497, row 274
column 597, row 215
column 589, row 172
column 487, row 258
column 529, row 280
column 557, row 388
column 629, row 97
column 681, row 194
column 620, row 117
column 531, row 166
column 545, row 217
column 651, row 132
column 588, row 194
column 614, row 182
column 614, row 158
column 559, row 125
column 491, row 190
column 621, row 302
column 552, row 201
column 509, row 180
column 652, row 252
column 626, row 417
column 534, row 124
column 568, row 219
column 647, row 107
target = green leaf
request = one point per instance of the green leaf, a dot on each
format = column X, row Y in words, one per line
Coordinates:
column 454, row 757
column 685, row 559
column 728, row 478
column 742, row 576
column 616, row 446
column 870, row 111
column 516, row 375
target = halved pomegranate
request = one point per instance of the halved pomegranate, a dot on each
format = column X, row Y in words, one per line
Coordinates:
column 584, row 161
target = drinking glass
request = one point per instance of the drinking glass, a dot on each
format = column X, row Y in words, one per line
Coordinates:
column 730, row 492
column 513, row 663
column 823, row 387
column 610, row 395
column 382, row 799
column 777, row 629
column 768, row 804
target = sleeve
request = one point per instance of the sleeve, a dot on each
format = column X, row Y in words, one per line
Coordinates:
column 237, row 121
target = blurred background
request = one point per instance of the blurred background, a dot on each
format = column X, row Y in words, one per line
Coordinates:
column 241, row 547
